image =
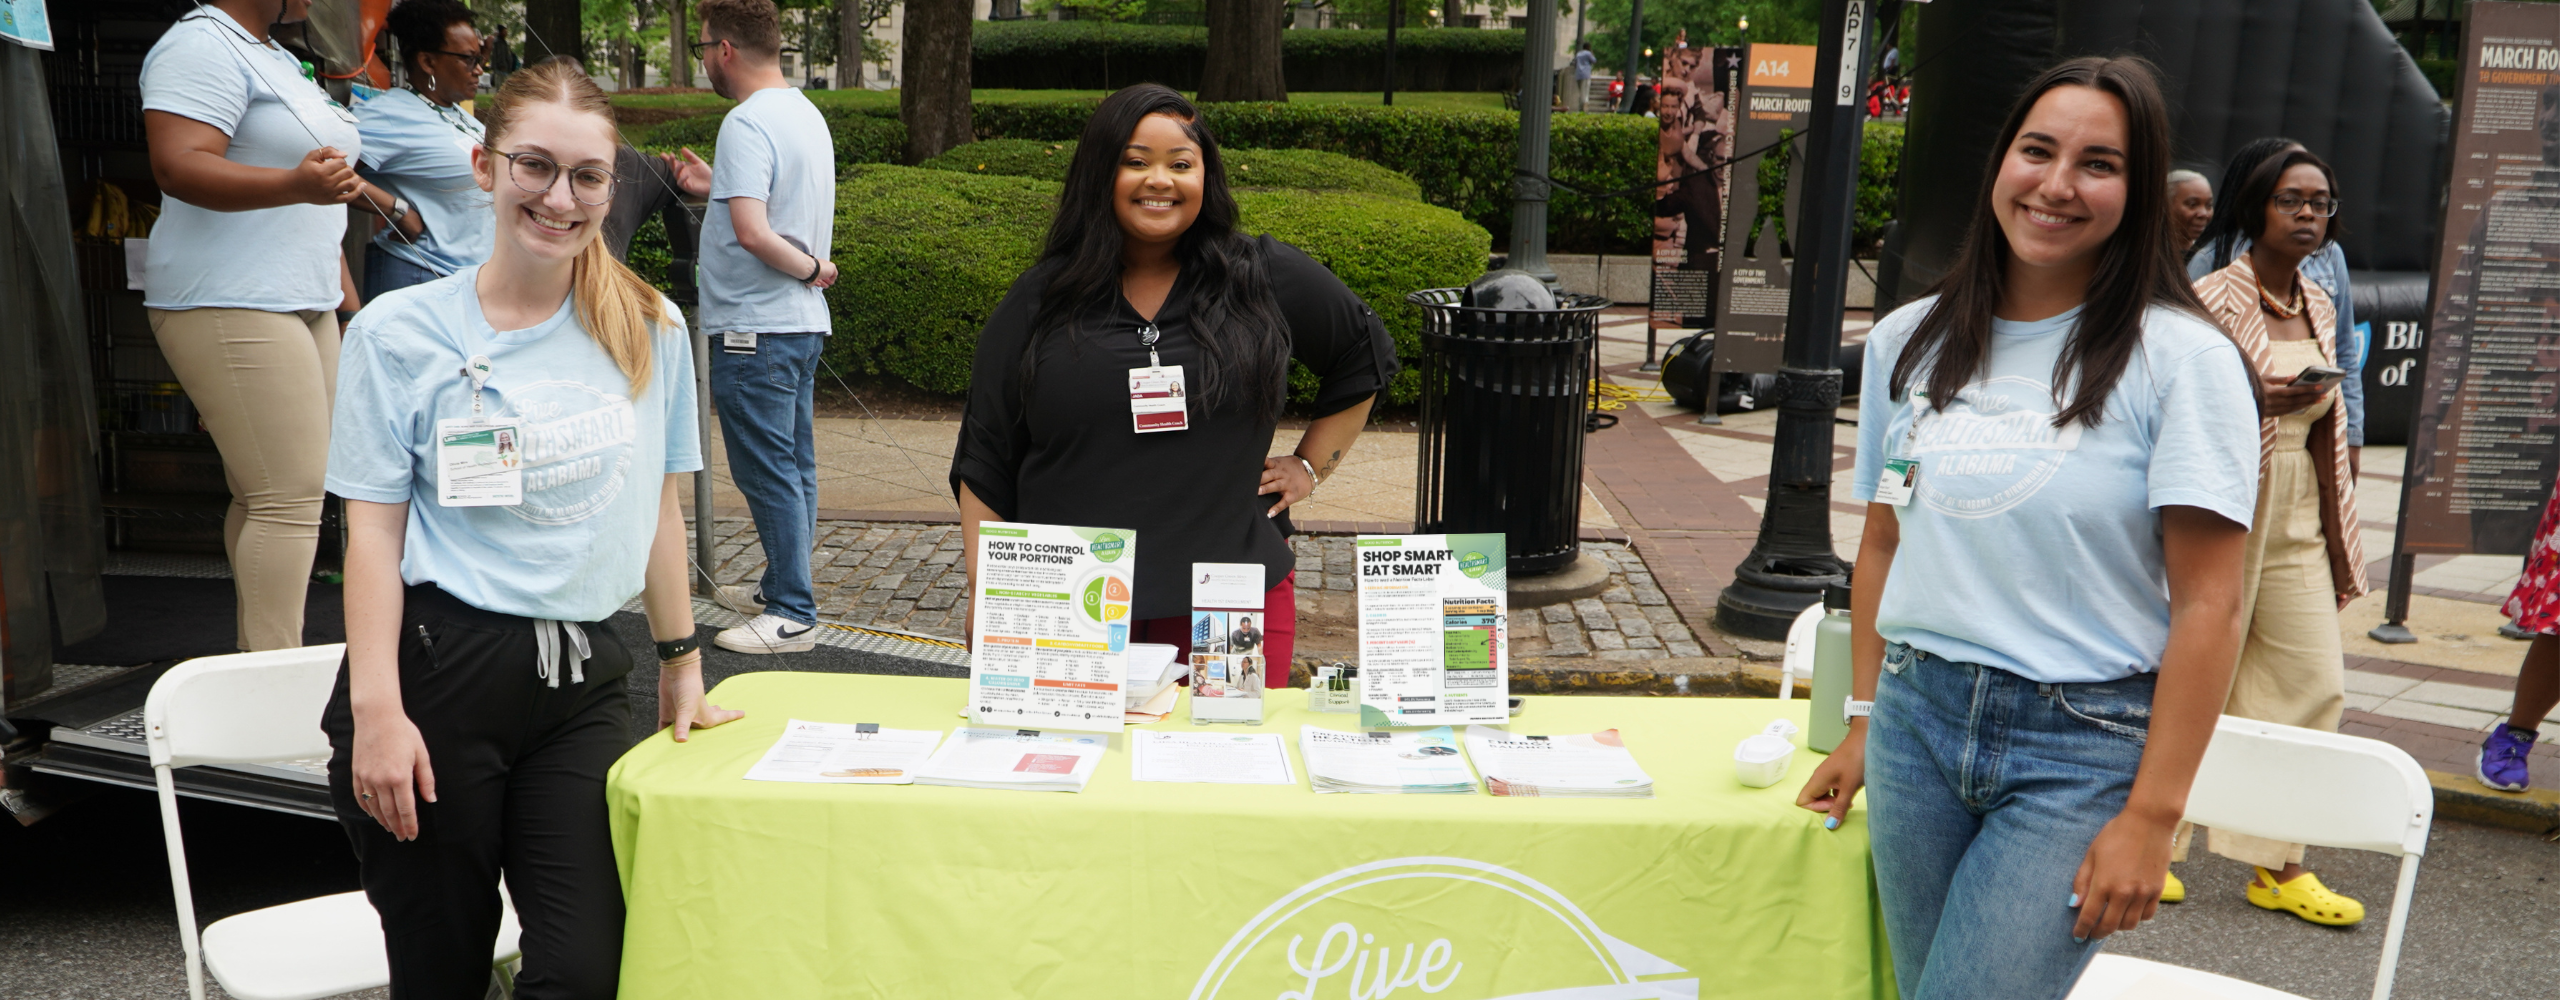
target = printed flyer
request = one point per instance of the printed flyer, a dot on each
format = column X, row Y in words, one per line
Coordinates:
column 1051, row 648
column 1433, row 615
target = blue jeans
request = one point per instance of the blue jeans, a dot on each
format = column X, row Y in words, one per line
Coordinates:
column 1984, row 790
column 768, row 407
column 384, row 273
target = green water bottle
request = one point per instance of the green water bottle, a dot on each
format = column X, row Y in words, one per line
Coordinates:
column 1831, row 671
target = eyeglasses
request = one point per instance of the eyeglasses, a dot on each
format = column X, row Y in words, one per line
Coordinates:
column 535, row 173
column 475, row 59
column 2289, row 203
column 697, row 47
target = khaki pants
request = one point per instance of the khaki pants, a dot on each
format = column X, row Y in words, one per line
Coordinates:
column 264, row 383
column 2292, row 664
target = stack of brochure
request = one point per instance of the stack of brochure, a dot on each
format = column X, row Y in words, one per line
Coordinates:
column 1584, row 766
column 1425, row 762
column 1020, row 759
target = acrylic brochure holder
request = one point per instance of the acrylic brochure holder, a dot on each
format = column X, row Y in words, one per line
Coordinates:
column 1229, row 664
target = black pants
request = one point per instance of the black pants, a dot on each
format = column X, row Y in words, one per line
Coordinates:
column 519, row 773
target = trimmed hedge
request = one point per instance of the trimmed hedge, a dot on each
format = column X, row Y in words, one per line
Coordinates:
column 859, row 137
column 926, row 255
column 1106, row 55
column 1463, row 160
column 929, row 253
column 1879, row 185
column 1307, row 169
column 1382, row 248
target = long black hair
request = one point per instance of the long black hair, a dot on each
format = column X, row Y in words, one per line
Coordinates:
column 2231, row 223
column 1244, row 340
column 2138, row 266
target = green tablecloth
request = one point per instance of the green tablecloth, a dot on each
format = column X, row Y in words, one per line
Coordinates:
column 1245, row 892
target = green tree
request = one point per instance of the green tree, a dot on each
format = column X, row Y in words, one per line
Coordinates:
column 1708, row 22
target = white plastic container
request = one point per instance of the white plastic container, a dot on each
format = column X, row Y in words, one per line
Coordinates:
column 1761, row 760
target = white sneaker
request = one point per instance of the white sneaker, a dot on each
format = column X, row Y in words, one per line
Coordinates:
column 769, row 634
column 735, row 597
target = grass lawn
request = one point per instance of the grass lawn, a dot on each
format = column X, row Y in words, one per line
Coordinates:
column 708, row 101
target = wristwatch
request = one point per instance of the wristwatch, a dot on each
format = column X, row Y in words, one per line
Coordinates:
column 1850, row 708
column 399, row 209
column 673, row 648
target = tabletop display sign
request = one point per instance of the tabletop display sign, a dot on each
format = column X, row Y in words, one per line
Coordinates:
column 1051, row 647
column 1433, row 615
column 1695, row 107
column 1227, row 662
column 2480, row 462
column 24, row 22
column 1752, row 287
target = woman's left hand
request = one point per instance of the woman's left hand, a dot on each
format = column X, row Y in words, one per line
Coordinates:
column 1285, row 475
column 2118, row 886
column 680, row 701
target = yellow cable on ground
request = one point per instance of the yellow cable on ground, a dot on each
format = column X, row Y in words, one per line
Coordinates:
column 1605, row 396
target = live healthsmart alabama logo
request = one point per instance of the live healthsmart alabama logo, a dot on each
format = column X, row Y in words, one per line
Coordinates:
column 1445, row 928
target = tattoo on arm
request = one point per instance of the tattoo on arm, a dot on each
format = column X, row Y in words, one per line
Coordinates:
column 1330, row 461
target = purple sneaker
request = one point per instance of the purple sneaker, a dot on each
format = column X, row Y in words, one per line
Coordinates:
column 2502, row 758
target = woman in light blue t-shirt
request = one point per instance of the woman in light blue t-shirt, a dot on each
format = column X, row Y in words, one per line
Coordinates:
column 2060, row 459
column 245, row 281
column 418, row 142
column 508, row 440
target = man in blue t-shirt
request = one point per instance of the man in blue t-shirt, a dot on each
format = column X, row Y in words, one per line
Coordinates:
column 1579, row 97
column 764, row 274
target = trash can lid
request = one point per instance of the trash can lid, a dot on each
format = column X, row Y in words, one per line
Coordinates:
column 1510, row 288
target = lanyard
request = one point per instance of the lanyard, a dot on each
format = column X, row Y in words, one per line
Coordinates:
column 1148, row 335
column 452, row 117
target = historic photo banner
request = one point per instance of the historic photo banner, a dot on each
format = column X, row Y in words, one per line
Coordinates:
column 1697, row 114
column 2482, row 457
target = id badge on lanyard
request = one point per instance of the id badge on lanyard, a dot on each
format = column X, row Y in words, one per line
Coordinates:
column 1158, row 399
column 1901, row 476
column 479, row 460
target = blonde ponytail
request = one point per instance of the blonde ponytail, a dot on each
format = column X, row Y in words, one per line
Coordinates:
column 618, row 309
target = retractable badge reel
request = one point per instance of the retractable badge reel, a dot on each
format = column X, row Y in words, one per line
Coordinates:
column 479, row 460
column 1157, row 398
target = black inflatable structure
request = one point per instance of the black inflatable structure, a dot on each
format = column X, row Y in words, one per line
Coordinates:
column 2325, row 72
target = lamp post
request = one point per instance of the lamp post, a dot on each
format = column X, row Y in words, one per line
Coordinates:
column 1395, row 13
column 1635, row 46
column 1792, row 561
column 1529, row 184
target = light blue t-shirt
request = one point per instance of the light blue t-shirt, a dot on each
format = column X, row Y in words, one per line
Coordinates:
column 281, row 259
column 577, row 548
column 422, row 152
column 2037, row 549
column 775, row 148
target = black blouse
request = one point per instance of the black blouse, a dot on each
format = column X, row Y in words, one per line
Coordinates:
column 1071, row 455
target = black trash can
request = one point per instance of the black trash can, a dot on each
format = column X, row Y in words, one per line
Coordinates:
column 1505, row 393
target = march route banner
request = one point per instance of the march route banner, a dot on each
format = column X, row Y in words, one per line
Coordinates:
column 2481, row 460
column 1751, row 290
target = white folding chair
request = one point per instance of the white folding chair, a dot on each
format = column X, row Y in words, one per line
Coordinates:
column 245, row 708
column 2305, row 787
column 1799, row 659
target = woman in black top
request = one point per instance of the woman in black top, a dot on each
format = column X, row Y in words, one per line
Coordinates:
column 1145, row 247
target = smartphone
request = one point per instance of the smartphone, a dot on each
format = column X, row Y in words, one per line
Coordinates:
column 2319, row 375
